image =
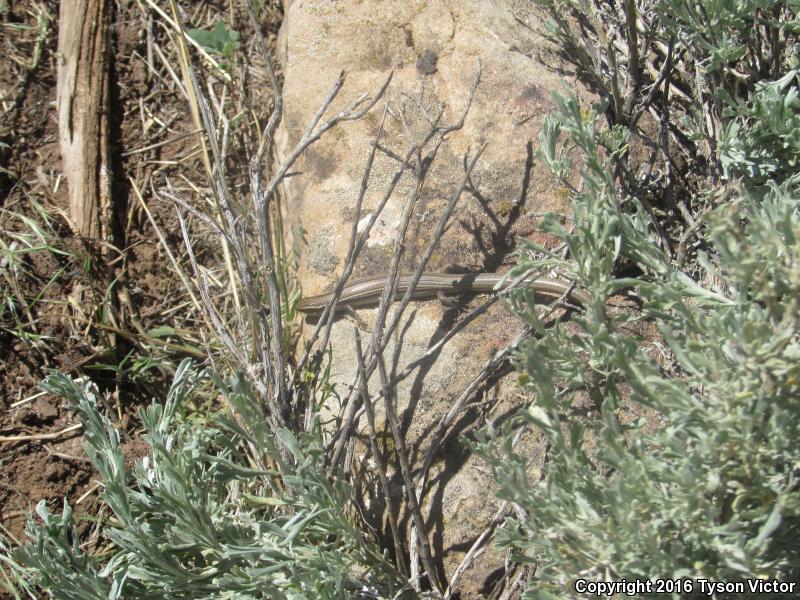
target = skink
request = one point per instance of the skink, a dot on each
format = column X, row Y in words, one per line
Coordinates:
column 367, row 291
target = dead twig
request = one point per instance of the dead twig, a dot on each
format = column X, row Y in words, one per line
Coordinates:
column 39, row 437
column 391, row 513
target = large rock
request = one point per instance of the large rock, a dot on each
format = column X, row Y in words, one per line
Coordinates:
column 433, row 48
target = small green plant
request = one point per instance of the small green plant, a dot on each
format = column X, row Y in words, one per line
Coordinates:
column 220, row 40
column 23, row 237
column 21, row 37
column 13, row 579
column 210, row 512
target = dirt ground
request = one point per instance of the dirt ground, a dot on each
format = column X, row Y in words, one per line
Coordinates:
column 68, row 303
